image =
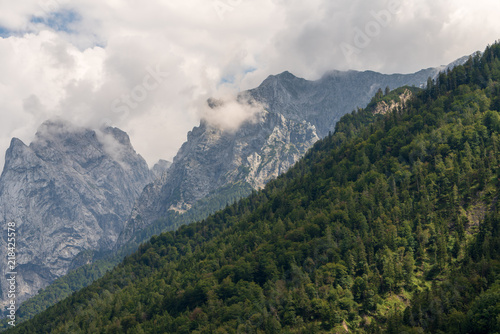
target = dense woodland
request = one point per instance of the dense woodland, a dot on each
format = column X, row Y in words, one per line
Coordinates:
column 101, row 262
column 391, row 224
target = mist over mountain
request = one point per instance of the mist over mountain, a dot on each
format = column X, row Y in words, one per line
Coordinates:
column 160, row 167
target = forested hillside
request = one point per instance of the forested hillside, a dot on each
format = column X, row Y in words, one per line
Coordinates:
column 391, row 224
column 85, row 275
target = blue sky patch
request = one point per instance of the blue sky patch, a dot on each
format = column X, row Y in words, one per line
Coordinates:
column 229, row 79
column 4, row 32
column 59, row 21
column 250, row 70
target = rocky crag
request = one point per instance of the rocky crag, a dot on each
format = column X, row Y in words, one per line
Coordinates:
column 69, row 193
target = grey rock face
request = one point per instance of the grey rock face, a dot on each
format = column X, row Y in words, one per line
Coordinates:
column 212, row 158
column 69, row 191
column 160, row 167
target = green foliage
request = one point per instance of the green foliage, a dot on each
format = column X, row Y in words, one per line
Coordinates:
column 62, row 288
column 389, row 225
column 82, row 277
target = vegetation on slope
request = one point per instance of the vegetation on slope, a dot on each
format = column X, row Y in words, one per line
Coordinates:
column 83, row 276
column 385, row 226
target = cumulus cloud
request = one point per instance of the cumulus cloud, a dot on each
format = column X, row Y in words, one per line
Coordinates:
column 149, row 69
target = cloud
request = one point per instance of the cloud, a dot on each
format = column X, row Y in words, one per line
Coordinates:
column 149, row 69
column 116, row 150
column 229, row 113
column 418, row 34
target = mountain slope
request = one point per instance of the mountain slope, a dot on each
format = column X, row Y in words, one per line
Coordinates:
column 203, row 183
column 297, row 112
column 69, row 193
column 385, row 226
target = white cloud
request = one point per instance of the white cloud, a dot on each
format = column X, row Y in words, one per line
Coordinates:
column 148, row 67
column 228, row 113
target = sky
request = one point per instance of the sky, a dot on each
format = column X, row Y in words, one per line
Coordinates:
column 148, row 67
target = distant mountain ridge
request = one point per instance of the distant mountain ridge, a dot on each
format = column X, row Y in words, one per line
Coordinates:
column 323, row 102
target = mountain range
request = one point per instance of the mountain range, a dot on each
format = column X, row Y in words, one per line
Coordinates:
column 388, row 224
column 296, row 113
column 77, row 193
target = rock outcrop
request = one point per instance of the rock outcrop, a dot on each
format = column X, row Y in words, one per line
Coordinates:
column 160, row 167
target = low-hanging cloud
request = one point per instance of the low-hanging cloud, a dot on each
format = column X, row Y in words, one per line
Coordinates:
column 230, row 112
column 149, row 69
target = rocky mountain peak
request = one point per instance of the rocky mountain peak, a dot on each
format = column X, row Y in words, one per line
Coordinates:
column 284, row 81
column 16, row 150
column 287, row 76
column 121, row 136
column 213, row 159
column 70, row 191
